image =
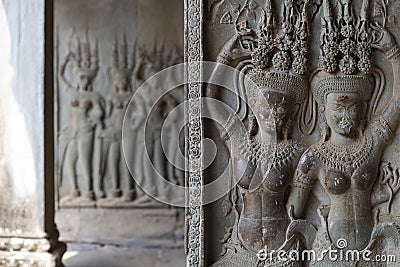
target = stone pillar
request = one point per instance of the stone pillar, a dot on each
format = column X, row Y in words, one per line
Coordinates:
column 28, row 236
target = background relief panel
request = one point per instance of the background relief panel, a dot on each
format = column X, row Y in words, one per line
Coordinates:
column 104, row 51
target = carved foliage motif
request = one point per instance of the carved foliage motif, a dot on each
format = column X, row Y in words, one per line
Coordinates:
column 193, row 57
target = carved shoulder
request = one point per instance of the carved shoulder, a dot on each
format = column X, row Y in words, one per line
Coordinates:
column 305, row 176
column 380, row 130
column 243, row 171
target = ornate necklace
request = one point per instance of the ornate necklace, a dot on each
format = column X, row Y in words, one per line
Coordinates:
column 269, row 156
column 345, row 158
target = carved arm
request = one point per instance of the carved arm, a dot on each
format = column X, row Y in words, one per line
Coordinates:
column 303, row 181
column 97, row 111
column 218, row 112
column 388, row 45
column 61, row 73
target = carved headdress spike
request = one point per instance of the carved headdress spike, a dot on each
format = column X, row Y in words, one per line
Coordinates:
column 121, row 59
column 85, row 60
column 280, row 59
column 78, row 55
column 115, row 54
column 268, row 14
column 133, row 56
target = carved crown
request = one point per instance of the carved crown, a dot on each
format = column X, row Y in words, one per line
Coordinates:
column 284, row 82
column 345, row 58
column 123, row 61
column 284, row 44
column 86, row 60
column 280, row 56
column 345, row 39
column 325, row 83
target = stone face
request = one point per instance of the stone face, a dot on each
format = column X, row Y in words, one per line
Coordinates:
column 316, row 69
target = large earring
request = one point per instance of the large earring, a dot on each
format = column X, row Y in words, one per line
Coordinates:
column 363, row 122
column 286, row 129
column 252, row 125
column 362, row 126
column 324, row 128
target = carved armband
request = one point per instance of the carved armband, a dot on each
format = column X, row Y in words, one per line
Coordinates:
column 302, row 180
column 229, row 126
column 224, row 58
column 381, row 127
column 393, row 53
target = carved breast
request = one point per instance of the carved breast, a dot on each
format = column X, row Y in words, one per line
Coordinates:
column 338, row 182
column 86, row 104
column 364, row 177
column 74, row 102
column 244, row 171
column 119, row 104
column 277, row 180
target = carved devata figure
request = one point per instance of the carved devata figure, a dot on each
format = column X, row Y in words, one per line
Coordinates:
column 86, row 114
column 347, row 158
column 264, row 156
column 117, row 102
column 151, row 170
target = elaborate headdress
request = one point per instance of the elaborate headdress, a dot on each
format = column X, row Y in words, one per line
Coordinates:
column 86, row 59
column 345, row 58
column 123, row 61
column 280, row 58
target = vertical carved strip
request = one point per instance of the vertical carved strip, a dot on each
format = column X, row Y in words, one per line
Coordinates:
column 194, row 176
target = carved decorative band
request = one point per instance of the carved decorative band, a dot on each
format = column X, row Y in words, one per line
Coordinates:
column 284, row 82
column 193, row 58
column 24, row 244
column 20, row 259
column 361, row 84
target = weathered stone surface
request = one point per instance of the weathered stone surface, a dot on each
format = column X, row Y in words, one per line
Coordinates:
column 344, row 180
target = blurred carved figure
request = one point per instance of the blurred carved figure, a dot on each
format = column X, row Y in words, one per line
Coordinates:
column 86, row 115
column 117, row 103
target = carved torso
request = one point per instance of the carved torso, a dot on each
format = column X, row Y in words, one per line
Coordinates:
column 347, row 174
column 266, row 174
column 82, row 104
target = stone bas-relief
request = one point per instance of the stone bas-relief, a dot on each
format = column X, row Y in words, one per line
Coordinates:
column 91, row 141
column 85, row 118
column 118, row 225
column 347, row 158
column 313, row 64
column 265, row 156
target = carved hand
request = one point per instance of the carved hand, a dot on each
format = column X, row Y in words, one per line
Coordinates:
column 232, row 49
